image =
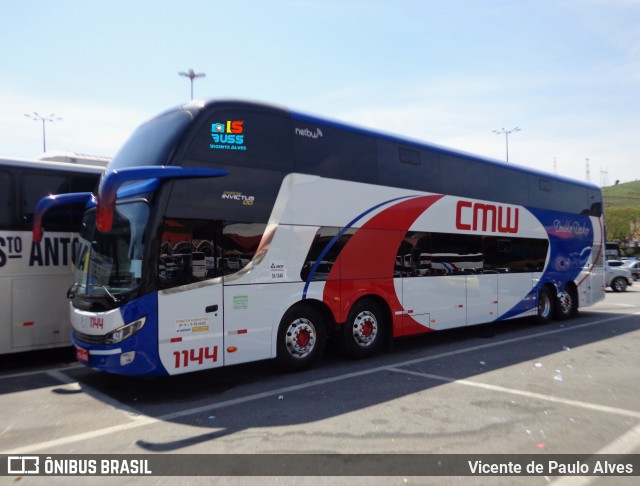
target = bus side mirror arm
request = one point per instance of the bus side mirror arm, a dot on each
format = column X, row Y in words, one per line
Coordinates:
column 113, row 180
column 51, row 201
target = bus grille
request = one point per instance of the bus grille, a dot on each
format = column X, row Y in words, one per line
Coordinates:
column 89, row 338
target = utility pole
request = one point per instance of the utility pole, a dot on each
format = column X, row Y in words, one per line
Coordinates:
column 506, row 136
column 191, row 74
column 38, row 117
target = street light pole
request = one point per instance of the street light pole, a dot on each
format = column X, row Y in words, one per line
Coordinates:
column 35, row 116
column 506, row 136
column 192, row 75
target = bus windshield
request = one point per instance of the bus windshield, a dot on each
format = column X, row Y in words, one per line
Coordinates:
column 111, row 263
column 152, row 142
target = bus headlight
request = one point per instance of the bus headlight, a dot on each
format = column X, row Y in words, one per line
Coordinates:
column 124, row 332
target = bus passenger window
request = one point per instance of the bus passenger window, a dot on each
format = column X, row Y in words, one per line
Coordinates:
column 323, row 253
column 196, row 250
column 187, row 252
column 6, row 199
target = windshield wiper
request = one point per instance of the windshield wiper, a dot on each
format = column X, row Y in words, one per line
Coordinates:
column 113, row 298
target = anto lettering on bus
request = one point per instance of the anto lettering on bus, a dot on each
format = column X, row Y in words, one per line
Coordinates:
column 228, row 135
column 53, row 251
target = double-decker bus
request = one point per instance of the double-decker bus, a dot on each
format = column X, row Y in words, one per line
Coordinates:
column 34, row 277
column 226, row 232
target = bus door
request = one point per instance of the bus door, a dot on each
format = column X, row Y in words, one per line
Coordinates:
column 190, row 299
column 190, row 327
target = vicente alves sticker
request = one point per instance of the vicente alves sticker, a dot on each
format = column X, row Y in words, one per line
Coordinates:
column 228, row 135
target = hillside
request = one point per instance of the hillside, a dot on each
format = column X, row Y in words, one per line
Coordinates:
column 622, row 212
column 622, row 195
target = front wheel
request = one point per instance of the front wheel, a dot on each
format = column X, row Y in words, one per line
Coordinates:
column 301, row 338
column 363, row 332
column 619, row 284
column 545, row 306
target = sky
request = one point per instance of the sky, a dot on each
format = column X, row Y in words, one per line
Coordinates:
column 449, row 72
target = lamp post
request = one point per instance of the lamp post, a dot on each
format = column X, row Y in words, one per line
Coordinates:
column 191, row 74
column 38, row 117
column 506, row 136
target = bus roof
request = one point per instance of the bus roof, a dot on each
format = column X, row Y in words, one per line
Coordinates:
column 46, row 165
column 435, row 147
column 200, row 105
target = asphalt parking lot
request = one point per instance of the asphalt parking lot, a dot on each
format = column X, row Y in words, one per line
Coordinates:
column 516, row 388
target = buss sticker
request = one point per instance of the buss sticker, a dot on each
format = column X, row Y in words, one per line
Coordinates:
column 228, row 135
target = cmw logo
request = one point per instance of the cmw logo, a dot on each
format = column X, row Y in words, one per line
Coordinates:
column 305, row 132
column 494, row 218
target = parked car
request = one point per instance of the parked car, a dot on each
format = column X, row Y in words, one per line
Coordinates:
column 617, row 278
column 615, row 263
column 634, row 267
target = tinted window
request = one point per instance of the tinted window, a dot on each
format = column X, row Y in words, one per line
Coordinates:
column 508, row 186
column 246, row 195
column 408, row 168
column 153, row 142
column 464, row 177
column 594, row 198
column 83, row 183
column 35, row 186
column 6, row 199
column 323, row 253
column 241, row 137
column 196, row 250
column 544, row 193
column 514, row 255
column 334, row 152
column 574, row 198
column 435, row 254
column 423, row 254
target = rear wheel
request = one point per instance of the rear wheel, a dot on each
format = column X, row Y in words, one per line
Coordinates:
column 567, row 305
column 301, row 338
column 364, row 330
column 545, row 306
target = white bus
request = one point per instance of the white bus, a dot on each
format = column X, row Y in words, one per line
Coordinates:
column 312, row 228
column 34, row 277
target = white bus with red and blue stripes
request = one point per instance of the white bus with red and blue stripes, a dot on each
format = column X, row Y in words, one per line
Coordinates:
column 226, row 232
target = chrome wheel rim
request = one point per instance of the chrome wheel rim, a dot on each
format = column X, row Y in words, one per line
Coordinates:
column 365, row 329
column 300, row 338
column 544, row 305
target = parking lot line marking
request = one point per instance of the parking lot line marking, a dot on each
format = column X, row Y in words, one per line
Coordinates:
column 92, row 434
column 523, row 393
column 25, row 374
column 145, row 420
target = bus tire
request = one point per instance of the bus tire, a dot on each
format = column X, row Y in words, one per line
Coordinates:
column 364, row 330
column 567, row 304
column 301, row 338
column 545, row 306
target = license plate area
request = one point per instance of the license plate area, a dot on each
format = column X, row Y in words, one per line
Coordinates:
column 82, row 355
